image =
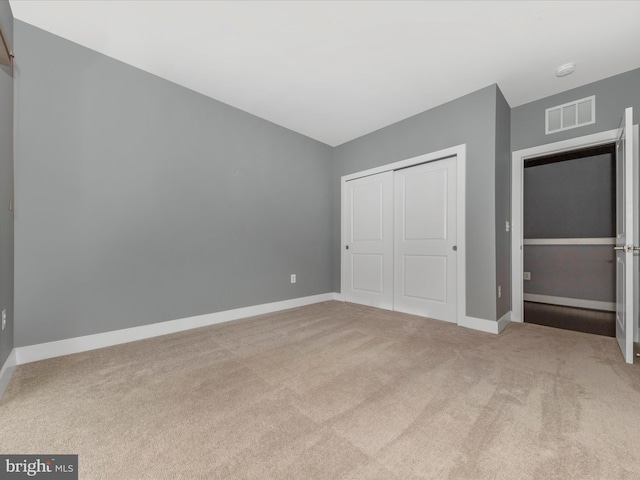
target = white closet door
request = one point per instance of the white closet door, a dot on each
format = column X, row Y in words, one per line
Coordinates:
column 368, row 222
column 425, row 240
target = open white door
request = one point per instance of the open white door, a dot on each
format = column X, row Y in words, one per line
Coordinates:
column 368, row 225
column 625, row 228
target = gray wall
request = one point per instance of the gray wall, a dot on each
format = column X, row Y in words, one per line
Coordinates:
column 585, row 272
column 503, row 203
column 6, row 162
column 613, row 95
column 570, row 199
column 470, row 119
column 139, row 201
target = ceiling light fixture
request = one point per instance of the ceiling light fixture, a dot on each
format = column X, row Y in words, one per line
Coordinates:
column 566, row 69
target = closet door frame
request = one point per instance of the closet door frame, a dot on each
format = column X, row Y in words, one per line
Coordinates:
column 459, row 152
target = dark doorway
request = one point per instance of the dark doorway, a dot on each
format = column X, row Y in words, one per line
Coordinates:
column 569, row 213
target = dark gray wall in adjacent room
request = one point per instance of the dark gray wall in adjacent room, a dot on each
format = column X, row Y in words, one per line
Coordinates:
column 6, row 174
column 140, row 201
column 613, row 95
column 570, row 199
column 584, row 272
column 503, row 203
column 471, row 120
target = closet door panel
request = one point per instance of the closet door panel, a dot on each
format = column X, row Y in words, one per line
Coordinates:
column 425, row 240
column 368, row 255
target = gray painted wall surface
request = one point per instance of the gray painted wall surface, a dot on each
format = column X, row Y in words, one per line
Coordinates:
column 503, row 203
column 570, row 199
column 613, row 95
column 585, row 272
column 6, row 162
column 139, row 201
column 470, row 119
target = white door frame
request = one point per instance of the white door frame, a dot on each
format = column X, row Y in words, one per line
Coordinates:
column 459, row 151
column 517, row 163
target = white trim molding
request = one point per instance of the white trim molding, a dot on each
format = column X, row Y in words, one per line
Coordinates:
column 488, row 326
column 34, row 353
column 6, row 371
column 570, row 241
column 504, row 321
column 570, row 302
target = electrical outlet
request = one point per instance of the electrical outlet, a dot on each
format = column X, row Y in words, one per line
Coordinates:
column 4, row 318
column 293, row 278
column 526, row 276
column 507, row 227
column 499, row 291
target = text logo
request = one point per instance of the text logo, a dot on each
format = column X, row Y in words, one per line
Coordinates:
column 46, row 467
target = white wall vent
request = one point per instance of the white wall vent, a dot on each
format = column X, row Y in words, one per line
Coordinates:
column 570, row 115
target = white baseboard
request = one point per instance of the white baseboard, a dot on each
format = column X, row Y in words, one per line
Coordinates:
column 489, row 326
column 504, row 321
column 570, row 302
column 338, row 296
column 42, row 351
column 6, row 371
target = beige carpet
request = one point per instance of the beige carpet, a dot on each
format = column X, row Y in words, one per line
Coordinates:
column 333, row 391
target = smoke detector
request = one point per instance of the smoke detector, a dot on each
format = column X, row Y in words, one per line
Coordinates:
column 566, row 69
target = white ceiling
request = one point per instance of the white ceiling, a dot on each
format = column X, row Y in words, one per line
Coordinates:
column 336, row 70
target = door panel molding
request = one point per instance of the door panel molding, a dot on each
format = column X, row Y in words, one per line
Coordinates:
column 425, row 240
column 368, row 234
column 459, row 152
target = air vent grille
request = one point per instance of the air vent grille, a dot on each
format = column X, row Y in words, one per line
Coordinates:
column 570, row 115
